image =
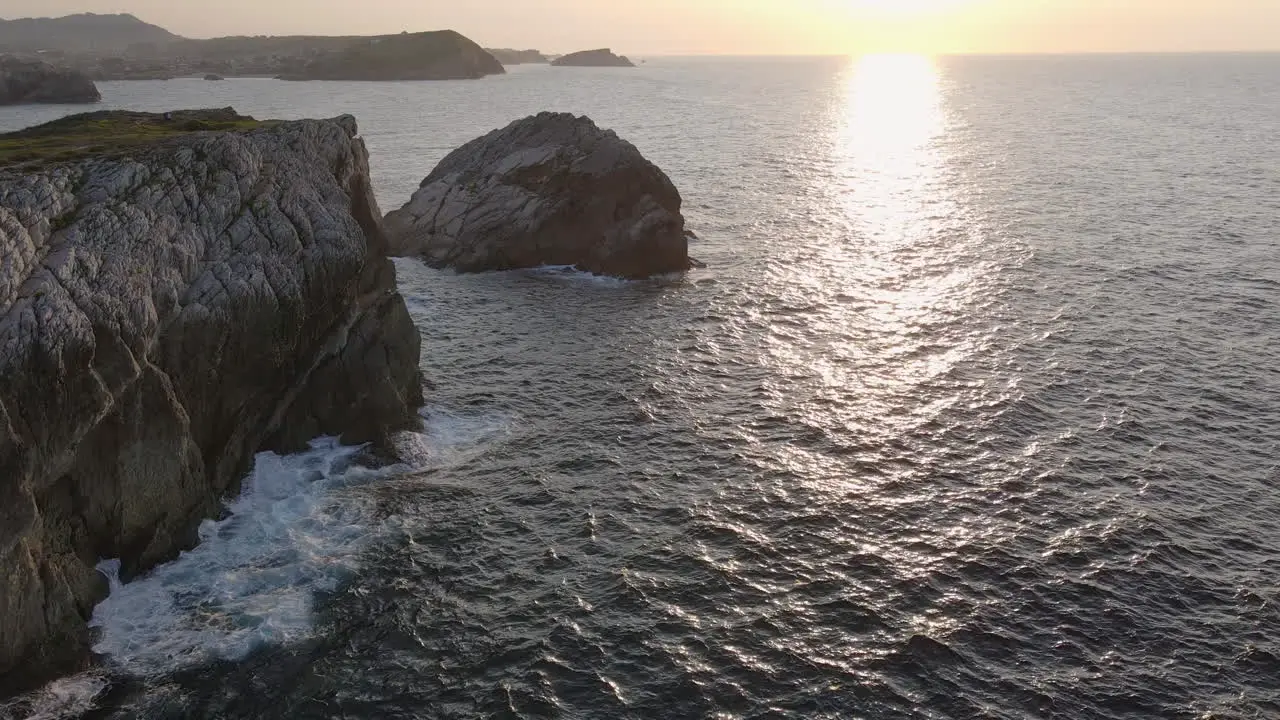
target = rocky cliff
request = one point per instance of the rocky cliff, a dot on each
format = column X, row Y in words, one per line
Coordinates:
column 551, row 189
column 166, row 313
column 34, row 81
column 593, row 58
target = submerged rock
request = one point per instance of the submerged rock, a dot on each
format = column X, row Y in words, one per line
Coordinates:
column 552, row 189
column 165, row 314
column 593, row 58
column 35, row 81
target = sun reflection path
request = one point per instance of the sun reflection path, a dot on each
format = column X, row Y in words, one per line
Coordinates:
column 899, row 264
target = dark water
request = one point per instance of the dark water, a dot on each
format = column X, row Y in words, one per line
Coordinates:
column 975, row 414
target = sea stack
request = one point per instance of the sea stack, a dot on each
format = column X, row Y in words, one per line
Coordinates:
column 552, row 189
column 167, row 311
column 24, row 81
column 593, row 58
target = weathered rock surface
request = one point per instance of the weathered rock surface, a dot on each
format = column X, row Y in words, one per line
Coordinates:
column 35, row 81
column 552, row 189
column 439, row 55
column 163, row 317
column 593, row 58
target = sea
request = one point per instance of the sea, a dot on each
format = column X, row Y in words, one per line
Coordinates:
column 973, row 413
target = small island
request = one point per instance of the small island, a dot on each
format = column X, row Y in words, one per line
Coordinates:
column 593, row 58
column 24, row 81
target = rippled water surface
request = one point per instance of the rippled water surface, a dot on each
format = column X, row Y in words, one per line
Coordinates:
column 975, row 413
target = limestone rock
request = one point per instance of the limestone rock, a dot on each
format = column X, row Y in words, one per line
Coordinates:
column 593, row 58
column 552, row 189
column 165, row 314
column 25, row 81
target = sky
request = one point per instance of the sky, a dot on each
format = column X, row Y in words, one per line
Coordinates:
column 735, row 27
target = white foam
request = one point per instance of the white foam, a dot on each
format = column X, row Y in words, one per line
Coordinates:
column 298, row 528
column 68, row 697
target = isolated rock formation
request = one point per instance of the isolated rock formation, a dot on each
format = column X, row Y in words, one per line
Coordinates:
column 593, row 58
column 165, row 314
column 552, row 189
column 35, row 81
column 439, row 55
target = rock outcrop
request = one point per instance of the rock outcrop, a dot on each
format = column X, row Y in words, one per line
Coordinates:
column 593, row 58
column 165, row 314
column 440, row 55
column 552, row 189
column 25, row 81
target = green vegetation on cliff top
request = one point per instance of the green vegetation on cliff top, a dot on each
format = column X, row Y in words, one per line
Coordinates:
column 110, row 132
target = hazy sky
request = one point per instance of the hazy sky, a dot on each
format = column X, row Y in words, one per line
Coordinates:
column 735, row 26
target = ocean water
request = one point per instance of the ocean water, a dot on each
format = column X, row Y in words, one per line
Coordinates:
column 975, row 413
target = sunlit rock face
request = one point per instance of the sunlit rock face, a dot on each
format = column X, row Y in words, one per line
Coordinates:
column 165, row 315
column 552, row 189
column 25, row 81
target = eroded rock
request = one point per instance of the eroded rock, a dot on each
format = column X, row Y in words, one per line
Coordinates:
column 552, row 189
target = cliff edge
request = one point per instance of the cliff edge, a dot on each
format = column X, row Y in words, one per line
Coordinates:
column 166, row 313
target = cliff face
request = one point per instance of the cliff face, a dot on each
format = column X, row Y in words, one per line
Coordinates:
column 35, row 81
column 439, row 55
column 163, row 317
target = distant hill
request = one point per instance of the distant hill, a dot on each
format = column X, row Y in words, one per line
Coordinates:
column 84, row 33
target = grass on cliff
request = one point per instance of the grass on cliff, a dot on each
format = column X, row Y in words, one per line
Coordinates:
column 109, row 132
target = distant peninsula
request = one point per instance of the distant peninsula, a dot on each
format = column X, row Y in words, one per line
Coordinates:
column 507, row 56
column 122, row 47
column 593, row 58
column 440, row 55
